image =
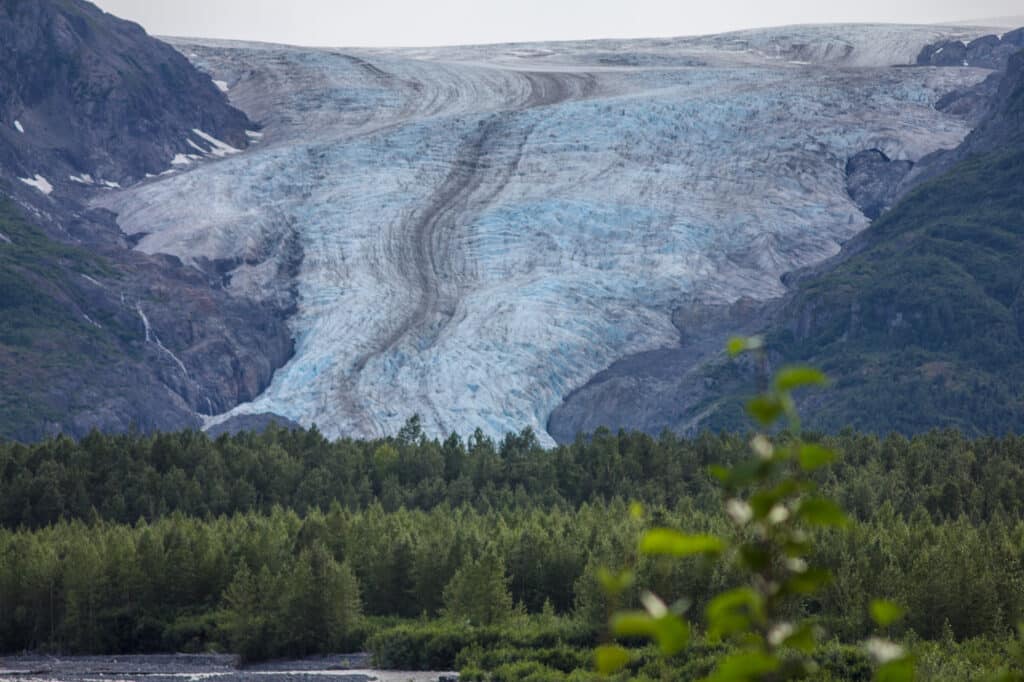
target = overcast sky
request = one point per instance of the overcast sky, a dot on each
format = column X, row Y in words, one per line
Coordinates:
column 354, row 23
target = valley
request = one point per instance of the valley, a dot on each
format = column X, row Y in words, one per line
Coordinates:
column 471, row 234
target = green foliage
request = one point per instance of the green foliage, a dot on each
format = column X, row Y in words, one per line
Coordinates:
column 775, row 506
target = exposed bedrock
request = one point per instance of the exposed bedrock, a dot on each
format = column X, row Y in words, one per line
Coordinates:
column 873, row 180
column 988, row 52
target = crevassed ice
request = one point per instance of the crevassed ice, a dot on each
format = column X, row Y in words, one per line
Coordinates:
column 485, row 228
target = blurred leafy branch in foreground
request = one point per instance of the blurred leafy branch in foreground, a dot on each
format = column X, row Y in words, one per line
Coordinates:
column 775, row 507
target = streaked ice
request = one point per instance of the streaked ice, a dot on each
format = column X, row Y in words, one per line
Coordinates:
column 485, row 228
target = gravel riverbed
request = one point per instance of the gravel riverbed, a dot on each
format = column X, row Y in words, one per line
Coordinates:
column 195, row 668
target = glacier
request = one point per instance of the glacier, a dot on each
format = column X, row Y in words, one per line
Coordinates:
column 484, row 228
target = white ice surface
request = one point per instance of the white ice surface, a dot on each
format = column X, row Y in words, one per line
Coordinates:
column 485, row 228
column 221, row 85
column 39, row 182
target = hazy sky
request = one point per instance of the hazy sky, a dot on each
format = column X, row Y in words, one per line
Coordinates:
column 446, row 22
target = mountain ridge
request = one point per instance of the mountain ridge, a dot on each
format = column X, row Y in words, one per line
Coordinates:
column 92, row 333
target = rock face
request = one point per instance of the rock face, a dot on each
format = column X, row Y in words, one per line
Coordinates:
column 485, row 229
column 85, row 94
column 987, row 52
column 873, row 180
column 92, row 333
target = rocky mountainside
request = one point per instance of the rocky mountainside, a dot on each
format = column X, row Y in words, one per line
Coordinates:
column 92, row 332
column 920, row 319
column 88, row 96
column 485, row 229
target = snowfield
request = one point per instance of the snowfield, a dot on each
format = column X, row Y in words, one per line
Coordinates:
column 485, row 228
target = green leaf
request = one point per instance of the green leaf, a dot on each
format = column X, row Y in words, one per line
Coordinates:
column 807, row 582
column 744, row 666
column 744, row 473
column 803, row 639
column 614, row 583
column 885, row 613
column 611, row 658
column 819, row 511
column 665, row 541
column 763, row 501
column 814, row 456
column 790, row 378
column 736, row 345
column 723, row 474
column 765, row 409
column 633, row 624
column 673, row 634
column 900, row 670
column 670, row 631
column 755, row 557
column 734, row 612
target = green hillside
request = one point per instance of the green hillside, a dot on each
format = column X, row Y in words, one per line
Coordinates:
column 925, row 326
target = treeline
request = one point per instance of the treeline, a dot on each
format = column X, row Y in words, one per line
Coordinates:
column 280, row 584
column 125, row 478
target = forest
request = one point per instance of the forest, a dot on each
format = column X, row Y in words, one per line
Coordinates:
column 478, row 555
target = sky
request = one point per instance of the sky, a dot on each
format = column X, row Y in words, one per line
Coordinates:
column 381, row 23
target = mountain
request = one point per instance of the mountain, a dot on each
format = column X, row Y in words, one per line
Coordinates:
column 484, row 229
column 473, row 234
column 95, row 334
column 919, row 321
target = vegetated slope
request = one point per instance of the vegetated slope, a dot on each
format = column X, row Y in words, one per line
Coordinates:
column 924, row 326
column 485, row 228
column 920, row 321
column 92, row 333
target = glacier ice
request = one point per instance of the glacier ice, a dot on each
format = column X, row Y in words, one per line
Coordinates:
column 485, row 228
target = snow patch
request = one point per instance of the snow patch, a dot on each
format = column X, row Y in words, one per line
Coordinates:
column 180, row 160
column 40, row 183
column 83, row 179
column 254, row 134
column 196, row 147
column 92, row 321
column 87, row 278
column 5, row 238
column 221, row 85
column 18, row 127
column 111, row 184
column 219, row 148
